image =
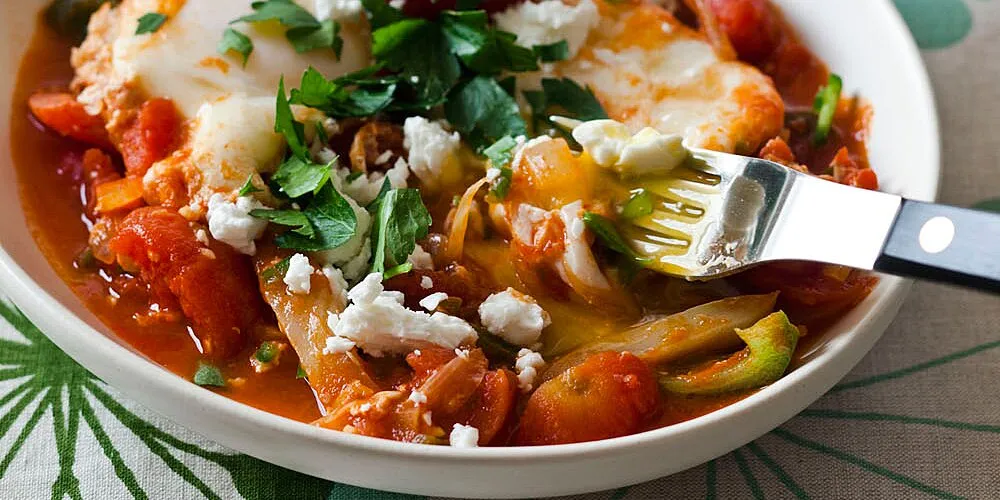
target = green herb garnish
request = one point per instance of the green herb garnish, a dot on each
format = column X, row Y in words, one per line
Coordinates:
column 552, row 52
column 150, row 23
column 267, row 351
column 330, row 217
column 276, row 271
column 248, row 187
column 484, row 113
column 285, row 124
column 400, row 219
column 208, row 375
column 609, row 235
column 300, row 373
column 305, row 32
column 825, row 106
column 501, row 153
column 298, row 177
column 237, row 42
column 639, row 205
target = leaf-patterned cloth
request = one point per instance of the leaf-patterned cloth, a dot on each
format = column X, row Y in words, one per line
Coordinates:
column 918, row 418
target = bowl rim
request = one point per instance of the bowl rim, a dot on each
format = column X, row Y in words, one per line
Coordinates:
column 69, row 333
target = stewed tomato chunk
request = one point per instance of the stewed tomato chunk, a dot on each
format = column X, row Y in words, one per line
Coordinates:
column 609, row 395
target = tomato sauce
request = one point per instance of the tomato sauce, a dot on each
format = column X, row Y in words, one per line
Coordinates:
column 51, row 177
column 55, row 197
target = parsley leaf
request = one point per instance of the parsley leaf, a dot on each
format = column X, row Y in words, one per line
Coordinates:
column 285, row 124
column 400, row 219
column 332, row 219
column 150, row 22
column 483, row 112
column 575, row 101
column 297, row 177
column 305, row 32
column 337, row 98
column 501, row 153
column 502, row 185
column 286, row 12
column 237, row 42
column 419, row 51
column 483, row 49
column 380, row 13
column 552, row 52
column 308, row 38
column 292, row 218
column 248, row 187
column 208, row 375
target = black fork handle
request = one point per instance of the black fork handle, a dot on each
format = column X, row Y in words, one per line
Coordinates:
column 943, row 243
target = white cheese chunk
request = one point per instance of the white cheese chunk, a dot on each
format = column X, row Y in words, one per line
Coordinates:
column 464, row 436
column 528, row 364
column 298, row 277
column 379, row 324
column 431, row 149
column 514, row 316
column 432, row 301
column 364, row 188
column 338, row 285
column 611, row 145
column 417, row 398
column 232, row 224
column 426, row 282
column 337, row 345
column 338, row 9
column 550, row 21
column 420, row 258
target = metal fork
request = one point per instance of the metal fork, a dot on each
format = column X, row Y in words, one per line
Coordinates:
column 722, row 213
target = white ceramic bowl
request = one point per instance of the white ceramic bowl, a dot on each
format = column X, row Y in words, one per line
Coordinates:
column 863, row 40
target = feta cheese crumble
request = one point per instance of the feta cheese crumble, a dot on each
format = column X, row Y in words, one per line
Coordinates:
column 432, row 301
column 338, row 285
column 421, row 259
column 611, row 145
column 464, row 436
column 201, row 236
column 514, row 316
column 426, row 282
column 431, row 148
column 298, row 277
column 337, row 9
column 528, row 364
column 379, row 324
column 550, row 21
column 417, row 397
column 232, row 224
column 338, row 345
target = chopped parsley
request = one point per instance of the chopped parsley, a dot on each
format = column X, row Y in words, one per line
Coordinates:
column 150, row 22
column 235, row 41
column 552, row 52
column 208, row 375
column 285, row 124
column 483, row 112
column 304, row 31
column 331, row 219
column 248, row 187
column 399, row 220
column 267, row 351
column 353, row 95
column 500, row 154
column 297, row 177
column 825, row 106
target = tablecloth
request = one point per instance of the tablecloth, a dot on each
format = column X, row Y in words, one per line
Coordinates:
column 918, row 418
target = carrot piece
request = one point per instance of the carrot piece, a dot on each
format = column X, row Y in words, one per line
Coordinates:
column 609, row 395
column 493, row 405
column 61, row 113
column 119, row 194
column 151, row 137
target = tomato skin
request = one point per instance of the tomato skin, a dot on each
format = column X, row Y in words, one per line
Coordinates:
column 427, row 362
column 151, row 137
column 63, row 114
column 750, row 25
column 609, row 395
column 215, row 286
column 492, row 406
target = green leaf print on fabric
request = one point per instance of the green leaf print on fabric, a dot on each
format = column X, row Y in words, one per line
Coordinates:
column 936, row 24
column 44, row 375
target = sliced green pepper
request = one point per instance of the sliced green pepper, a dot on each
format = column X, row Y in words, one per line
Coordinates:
column 770, row 344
